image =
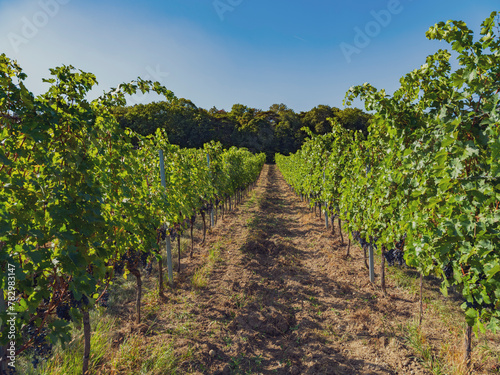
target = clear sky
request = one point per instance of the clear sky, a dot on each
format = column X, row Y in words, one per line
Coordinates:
column 222, row 52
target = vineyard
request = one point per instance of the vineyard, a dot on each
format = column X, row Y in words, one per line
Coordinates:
column 279, row 268
column 422, row 187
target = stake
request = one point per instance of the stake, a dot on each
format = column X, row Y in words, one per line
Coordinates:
column 139, row 295
column 169, row 252
column 160, row 272
column 179, row 251
column 212, row 217
column 326, row 215
column 421, row 299
column 192, row 238
column 468, row 346
column 340, row 230
column 169, row 260
column 372, row 269
column 382, row 271
column 204, row 225
column 86, row 337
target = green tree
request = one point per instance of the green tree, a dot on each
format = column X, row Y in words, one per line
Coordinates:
column 317, row 118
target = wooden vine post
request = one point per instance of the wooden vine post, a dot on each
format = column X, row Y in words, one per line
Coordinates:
column 326, row 205
column 86, row 335
column 371, row 262
column 382, row 271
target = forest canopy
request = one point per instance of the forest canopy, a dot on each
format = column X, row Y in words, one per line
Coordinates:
column 276, row 130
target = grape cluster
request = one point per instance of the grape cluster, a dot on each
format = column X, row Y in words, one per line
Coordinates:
column 401, row 243
column 103, row 301
column 399, row 256
column 389, row 257
column 135, row 258
column 62, row 311
column 143, row 258
column 478, row 306
column 173, row 234
column 119, row 264
column 448, row 271
column 42, row 349
column 357, row 236
column 146, row 261
column 67, row 303
column 161, row 233
column 394, row 256
column 118, row 267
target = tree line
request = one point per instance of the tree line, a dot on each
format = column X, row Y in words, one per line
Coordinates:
column 277, row 130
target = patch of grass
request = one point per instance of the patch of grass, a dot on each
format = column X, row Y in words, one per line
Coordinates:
column 444, row 311
column 69, row 360
column 153, row 358
column 150, row 304
column 228, row 341
column 404, row 279
column 489, row 356
column 240, row 364
column 214, row 252
column 122, row 290
column 239, row 300
column 258, row 360
column 254, row 222
column 201, row 276
column 252, row 199
column 447, row 354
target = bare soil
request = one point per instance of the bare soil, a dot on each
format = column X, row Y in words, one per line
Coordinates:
column 283, row 299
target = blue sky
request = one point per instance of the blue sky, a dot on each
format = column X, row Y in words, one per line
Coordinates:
column 222, row 52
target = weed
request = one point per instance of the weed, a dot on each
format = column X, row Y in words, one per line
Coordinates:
column 228, row 341
column 417, row 340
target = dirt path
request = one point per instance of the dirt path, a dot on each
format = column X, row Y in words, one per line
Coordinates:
column 282, row 299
